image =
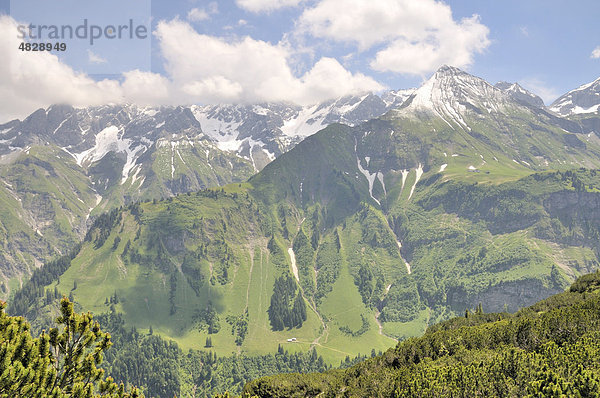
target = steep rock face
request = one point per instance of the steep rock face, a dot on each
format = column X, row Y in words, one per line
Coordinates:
column 277, row 127
column 583, row 100
column 579, row 212
column 274, row 128
column 584, row 204
column 506, row 296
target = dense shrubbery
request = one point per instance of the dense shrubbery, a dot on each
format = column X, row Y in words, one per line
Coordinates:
column 549, row 349
column 162, row 370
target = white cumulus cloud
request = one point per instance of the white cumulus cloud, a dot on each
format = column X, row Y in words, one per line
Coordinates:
column 31, row 80
column 203, row 14
column 416, row 37
column 199, row 69
column 258, row 6
column 248, row 70
column 596, row 53
column 146, row 88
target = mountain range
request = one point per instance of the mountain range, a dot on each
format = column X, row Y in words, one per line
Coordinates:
column 407, row 209
column 115, row 155
column 63, row 166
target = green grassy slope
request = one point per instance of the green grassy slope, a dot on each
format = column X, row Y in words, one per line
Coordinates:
column 548, row 349
column 45, row 203
column 48, row 201
column 172, row 262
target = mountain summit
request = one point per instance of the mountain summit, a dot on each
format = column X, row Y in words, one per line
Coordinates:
column 583, row 100
column 520, row 94
column 450, row 92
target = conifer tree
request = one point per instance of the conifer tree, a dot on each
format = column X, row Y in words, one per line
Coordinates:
column 61, row 363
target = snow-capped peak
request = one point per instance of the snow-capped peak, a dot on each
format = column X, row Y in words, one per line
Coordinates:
column 277, row 127
column 584, row 99
column 451, row 91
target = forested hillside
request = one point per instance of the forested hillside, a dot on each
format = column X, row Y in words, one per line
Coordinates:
column 550, row 349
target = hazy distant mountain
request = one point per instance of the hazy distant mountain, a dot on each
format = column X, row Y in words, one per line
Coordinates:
column 520, row 94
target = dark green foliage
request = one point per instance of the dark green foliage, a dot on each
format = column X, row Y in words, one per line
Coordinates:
column 192, row 269
column 364, row 327
column 210, row 374
column 136, row 211
column 208, row 319
column 402, row 303
column 102, row 227
column 364, row 281
column 298, row 311
column 61, row 363
column 126, row 248
column 587, row 283
column 239, row 327
column 287, row 309
column 304, row 261
column 278, row 257
column 349, row 362
column 116, row 242
column 374, row 230
column 172, row 292
column 150, row 362
column 161, row 369
column 549, row 349
column 328, row 262
column 144, row 360
column 52, row 296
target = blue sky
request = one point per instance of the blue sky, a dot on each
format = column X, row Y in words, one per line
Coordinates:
column 303, row 51
column 547, row 42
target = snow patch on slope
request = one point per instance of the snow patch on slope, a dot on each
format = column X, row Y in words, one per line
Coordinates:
column 404, row 176
column 293, row 261
column 419, row 172
column 370, row 177
column 109, row 139
column 307, row 122
column 380, row 178
column 402, row 258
